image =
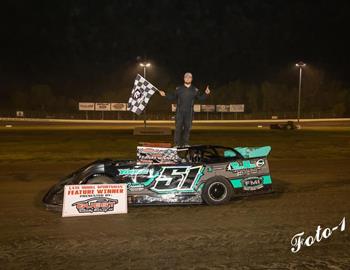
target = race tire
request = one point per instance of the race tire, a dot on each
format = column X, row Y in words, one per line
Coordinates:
column 217, row 190
column 101, row 179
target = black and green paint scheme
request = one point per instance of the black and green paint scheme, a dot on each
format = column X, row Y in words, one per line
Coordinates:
column 181, row 181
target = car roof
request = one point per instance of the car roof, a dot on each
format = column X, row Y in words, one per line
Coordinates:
column 205, row 146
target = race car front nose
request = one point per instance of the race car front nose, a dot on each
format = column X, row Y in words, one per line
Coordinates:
column 55, row 194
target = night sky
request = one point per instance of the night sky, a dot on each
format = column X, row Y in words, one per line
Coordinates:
column 86, row 47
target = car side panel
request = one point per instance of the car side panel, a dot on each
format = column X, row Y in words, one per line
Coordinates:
column 160, row 184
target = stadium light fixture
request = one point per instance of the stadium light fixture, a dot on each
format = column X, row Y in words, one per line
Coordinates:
column 300, row 64
column 145, row 66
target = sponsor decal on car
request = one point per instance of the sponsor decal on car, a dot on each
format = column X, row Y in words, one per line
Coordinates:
column 133, row 171
column 240, row 165
column 157, row 155
column 259, row 163
column 246, row 167
column 135, row 187
column 252, row 183
column 245, row 172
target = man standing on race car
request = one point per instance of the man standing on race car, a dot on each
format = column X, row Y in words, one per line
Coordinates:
column 184, row 96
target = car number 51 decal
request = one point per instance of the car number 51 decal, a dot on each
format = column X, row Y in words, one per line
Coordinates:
column 177, row 178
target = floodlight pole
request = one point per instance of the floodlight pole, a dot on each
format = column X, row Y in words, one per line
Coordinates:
column 299, row 95
column 144, row 72
column 300, row 65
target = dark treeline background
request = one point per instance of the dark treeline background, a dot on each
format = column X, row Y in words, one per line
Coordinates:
column 57, row 53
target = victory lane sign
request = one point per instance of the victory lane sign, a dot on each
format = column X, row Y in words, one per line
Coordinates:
column 90, row 200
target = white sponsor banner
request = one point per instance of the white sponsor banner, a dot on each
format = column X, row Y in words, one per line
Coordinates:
column 103, row 106
column 236, row 107
column 119, row 106
column 222, row 108
column 91, row 200
column 196, row 107
column 86, row 106
column 208, row 108
column 19, row 113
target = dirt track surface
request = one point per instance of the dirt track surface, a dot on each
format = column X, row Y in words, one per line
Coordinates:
column 248, row 233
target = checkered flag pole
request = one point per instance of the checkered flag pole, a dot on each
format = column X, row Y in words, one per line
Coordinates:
column 140, row 95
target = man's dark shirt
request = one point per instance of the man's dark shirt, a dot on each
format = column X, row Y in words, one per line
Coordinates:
column 185, row 97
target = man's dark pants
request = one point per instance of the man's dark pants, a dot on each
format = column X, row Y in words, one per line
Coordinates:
column 183, row 127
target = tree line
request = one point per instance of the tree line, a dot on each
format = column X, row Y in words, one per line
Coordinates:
column 319, row 94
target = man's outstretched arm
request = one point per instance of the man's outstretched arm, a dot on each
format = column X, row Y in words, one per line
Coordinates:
column 169, row 96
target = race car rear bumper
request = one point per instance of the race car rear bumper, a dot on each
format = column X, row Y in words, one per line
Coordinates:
column 252, row 185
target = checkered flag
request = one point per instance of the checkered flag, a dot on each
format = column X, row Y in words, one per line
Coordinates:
column 140, row 95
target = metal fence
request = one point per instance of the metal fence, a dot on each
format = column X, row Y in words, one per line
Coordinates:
column 113, row 115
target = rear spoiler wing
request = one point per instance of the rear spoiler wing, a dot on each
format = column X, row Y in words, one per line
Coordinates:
column 254, row 152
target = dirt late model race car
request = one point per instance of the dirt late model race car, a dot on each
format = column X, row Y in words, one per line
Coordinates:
column 195, row 174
